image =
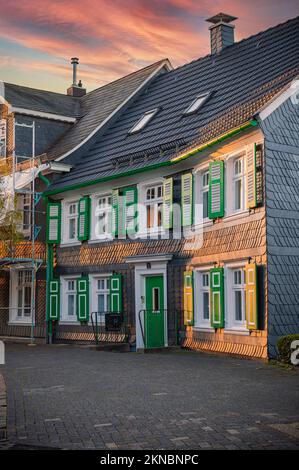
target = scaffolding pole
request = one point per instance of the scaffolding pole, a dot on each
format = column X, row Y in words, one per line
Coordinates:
column 32, row 163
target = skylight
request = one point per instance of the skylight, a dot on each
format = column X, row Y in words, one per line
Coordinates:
column 143, row 121
column 197, row 103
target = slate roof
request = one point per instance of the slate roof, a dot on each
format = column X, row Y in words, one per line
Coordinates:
column 90, row 110
column 98, row 105
column 41, row 100
column 242, row 78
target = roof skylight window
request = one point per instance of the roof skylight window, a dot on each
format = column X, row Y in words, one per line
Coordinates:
column 197, row 103
column 146, row 118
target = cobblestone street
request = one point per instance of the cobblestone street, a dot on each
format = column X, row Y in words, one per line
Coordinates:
column 71, row 397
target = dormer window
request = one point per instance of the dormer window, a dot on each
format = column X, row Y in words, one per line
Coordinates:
column 146, row 118
column 197, row 103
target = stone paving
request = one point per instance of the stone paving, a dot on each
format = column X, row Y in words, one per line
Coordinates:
column 70, row 397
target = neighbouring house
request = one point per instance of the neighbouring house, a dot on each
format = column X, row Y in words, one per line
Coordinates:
column 175, row 221
column 38, row 130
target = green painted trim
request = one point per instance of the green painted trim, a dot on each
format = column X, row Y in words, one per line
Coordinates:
column 215, row 141
column 154, row 166
column 44, row 179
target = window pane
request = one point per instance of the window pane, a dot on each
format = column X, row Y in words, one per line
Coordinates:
column 101, row 303
column 72, row 228
column 238, row 305
column 238, row 277
column 160, row 208
column 205, row 280
column 156, row 299
column 71, row 305
column 206, row 305
column 150, row 216
column 205, row 179
column 238, row 194
column 20, row 302
column 27, row 301
column 205, row 199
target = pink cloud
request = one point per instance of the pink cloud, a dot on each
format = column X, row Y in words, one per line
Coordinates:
column 116, row 38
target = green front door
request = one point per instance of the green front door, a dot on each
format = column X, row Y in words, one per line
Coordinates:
column 154, row 314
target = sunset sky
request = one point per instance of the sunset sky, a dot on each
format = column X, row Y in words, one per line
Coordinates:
column 115, row 37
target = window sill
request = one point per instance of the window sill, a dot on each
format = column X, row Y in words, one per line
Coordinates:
column 237, row 215
column 75, row 243
column 65, row 322
column 100, row 240
column 204, row 328
column 150, row 233
column 20, row 323
column 237, row 331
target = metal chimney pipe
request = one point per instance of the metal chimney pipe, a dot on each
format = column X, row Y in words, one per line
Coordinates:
column 74, row 62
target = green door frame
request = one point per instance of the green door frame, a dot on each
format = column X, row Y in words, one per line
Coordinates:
column 154, row 319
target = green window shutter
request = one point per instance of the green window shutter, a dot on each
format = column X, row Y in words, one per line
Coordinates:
column 251, row 296
column 216, row 189
column 53, row 310
column 130, row 210
column 53, row 222
column 115, row 203
column 187, row 200
column 83, row 218
column 83, row 298
column 251, row 176
column 217, row 297
column 116, row 301
column 188, row 299
column 167, row 203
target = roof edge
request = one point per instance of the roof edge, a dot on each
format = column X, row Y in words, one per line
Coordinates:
column 191, row 153
column 289, row 91
column 164, row 63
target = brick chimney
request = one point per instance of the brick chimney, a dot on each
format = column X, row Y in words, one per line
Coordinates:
column 76, row 89
column 222, row 32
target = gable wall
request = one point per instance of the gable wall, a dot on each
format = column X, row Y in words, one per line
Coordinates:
column 281, row 131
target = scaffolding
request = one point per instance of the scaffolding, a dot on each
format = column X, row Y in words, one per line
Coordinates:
column 24, row 170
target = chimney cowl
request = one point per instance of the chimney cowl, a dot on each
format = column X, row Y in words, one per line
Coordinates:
column 76, row 89
column 221, row 31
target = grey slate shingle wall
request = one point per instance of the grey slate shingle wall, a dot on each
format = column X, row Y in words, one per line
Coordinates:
column 46, row 134
column 281, row 130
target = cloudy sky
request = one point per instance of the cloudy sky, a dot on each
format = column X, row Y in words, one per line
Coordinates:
column 115, row 37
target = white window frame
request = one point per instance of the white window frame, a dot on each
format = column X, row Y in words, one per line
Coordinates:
column 197, row 103
column 199, row 322
column 3, row 138
column 65, row 222
column 21, row 207
column 230, row 323
column 231, row 178
column 143, row 203
column 95, row 214
column 64, row 318
column 198, row 195
column 143, row 121
column 94, row 278
column 14, row 288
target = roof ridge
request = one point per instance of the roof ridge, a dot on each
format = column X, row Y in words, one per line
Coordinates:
column 39, row 89
column 237, row 43
column 126, row 76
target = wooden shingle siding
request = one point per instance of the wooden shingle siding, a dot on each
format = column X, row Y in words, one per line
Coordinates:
column 282, row 196
column 232, row 239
